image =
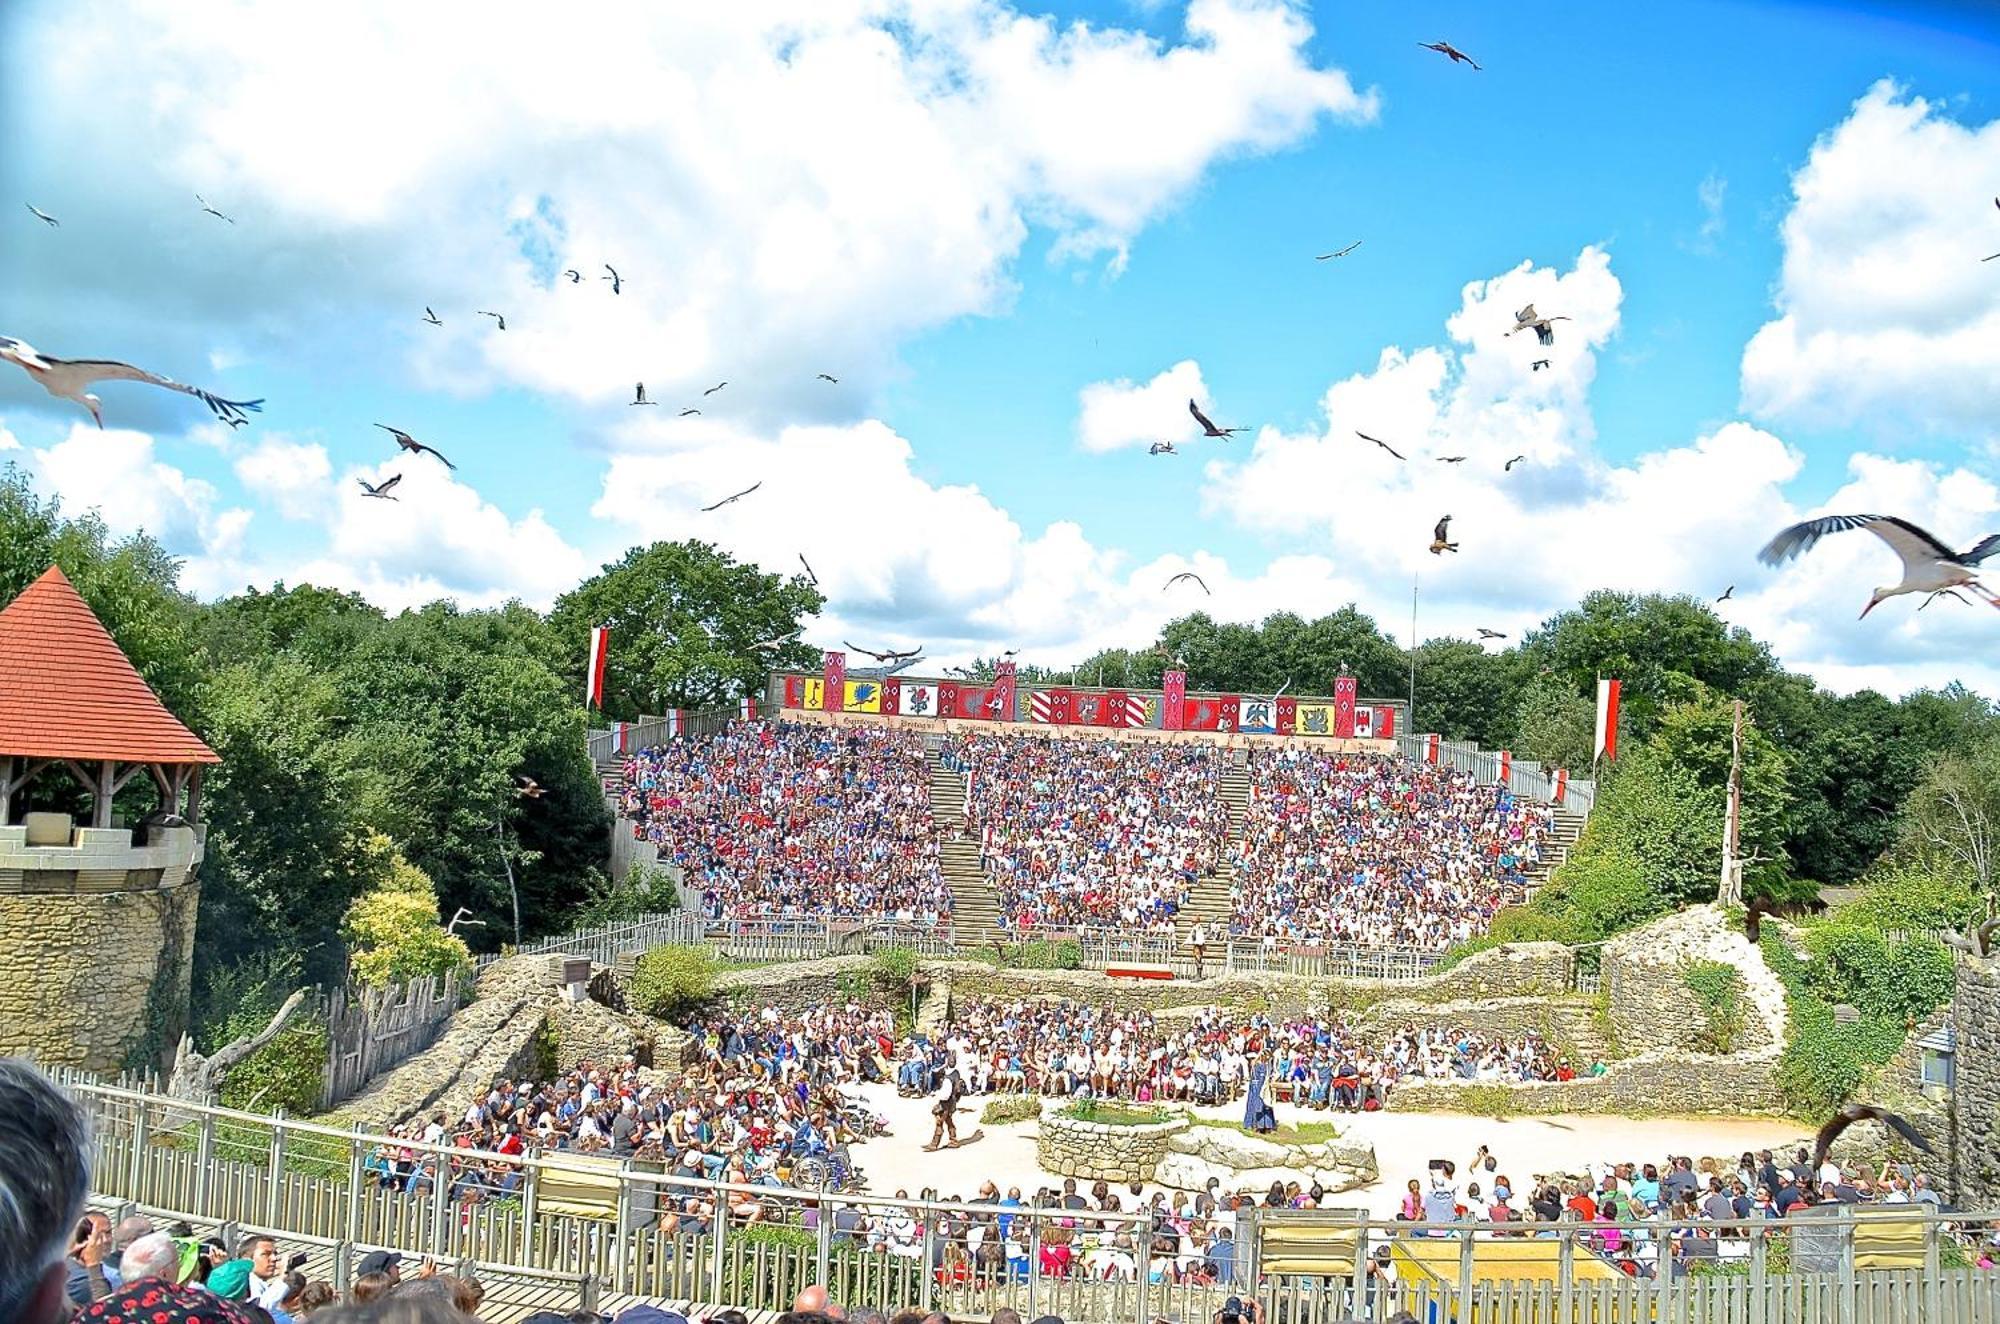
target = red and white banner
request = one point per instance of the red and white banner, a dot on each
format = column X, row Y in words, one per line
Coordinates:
column 1000, row 705
column 1385, row 721
column 1560, row 786
column 919, row 701
column 593, row 668
column 833, row 697
column 749, row 707
column 1506, row 765
column 1364, row 722
column 622, row 746
column 892, row 696
column 1057, row 707
column 1343, row 707
column 1173, row 700
column 1430, row 749
column 1607, row 721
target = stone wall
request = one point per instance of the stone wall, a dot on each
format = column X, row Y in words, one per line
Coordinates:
column 82, row 970
column 496, row 1037
column 1665, row 1082
column 1251, row 1163
column 1093, row 1150
column 1646, row 991
column 1572, row 1025
column 1975, row 1104
column 1522, row 970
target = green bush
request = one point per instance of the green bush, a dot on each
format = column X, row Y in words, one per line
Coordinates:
column 1718, row 994
column 1114, row 1114
column 1012, row 1108
column 1824, row 1062
column 897, row 969
column 286, row 1074
column 645, row 891
column 672, row 981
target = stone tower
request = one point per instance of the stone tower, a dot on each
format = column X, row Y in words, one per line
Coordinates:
column 96, row 917
column 1975, row 1095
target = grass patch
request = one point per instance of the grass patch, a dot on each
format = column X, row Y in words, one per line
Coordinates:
column 1298, row 1133
column 1114, row 1114
column 1013, row 1108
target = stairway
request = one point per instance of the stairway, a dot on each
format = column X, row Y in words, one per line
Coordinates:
column 975, row 908
column 1209, row 900
column 1562, row 840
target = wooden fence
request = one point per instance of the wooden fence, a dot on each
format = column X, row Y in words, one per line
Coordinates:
column 569, row 1232
column 368, row 1031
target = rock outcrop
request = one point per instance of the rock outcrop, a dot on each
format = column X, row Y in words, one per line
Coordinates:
column 1246, row 1162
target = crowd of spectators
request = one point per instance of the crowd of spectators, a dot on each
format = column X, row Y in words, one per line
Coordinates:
column 1378, row 851
column 771, row 820
column 1092, row 833
column 1063, row 1048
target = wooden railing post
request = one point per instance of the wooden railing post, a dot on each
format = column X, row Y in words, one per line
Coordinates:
column 274, row 1186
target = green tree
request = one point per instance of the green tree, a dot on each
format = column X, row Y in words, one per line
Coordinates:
column 393, row 929
column 1951, row 821
column 1464, row 692
column 1553, row 724
column 686, row 624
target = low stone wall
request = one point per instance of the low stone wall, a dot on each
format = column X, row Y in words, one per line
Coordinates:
column 1661, row 1083
column 1093, row 1150
column 1251, row 1163
column 494, row 1037
column 1645, row 982
column 1523, row 970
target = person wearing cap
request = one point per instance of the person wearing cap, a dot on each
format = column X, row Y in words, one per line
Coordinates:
column 383, row 1262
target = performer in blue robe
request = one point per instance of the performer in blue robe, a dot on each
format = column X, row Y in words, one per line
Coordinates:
column 1258, row 1115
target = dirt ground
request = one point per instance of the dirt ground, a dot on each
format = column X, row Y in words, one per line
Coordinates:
column 1404, row 1143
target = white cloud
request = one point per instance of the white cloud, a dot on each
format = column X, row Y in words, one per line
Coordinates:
column 1114, row 415
column 1883, row 315
column 1711, row 193
column 115, row 473
column 787, row 188
column 291, row 475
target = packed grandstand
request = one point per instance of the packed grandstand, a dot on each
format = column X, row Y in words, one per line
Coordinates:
column 776, row 820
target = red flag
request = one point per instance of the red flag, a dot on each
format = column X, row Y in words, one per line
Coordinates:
column 1561, row 786
column 1230, row 711
column 892, row 696
column 1607, row 721
column 1385, row 721
column 593, row 671
column 1288, row 714
column 621, row 737
column 1430, row 749
column 1343, row 707
column 1173, row 700
column 1000, row 706
column 1506, row 765
column 834, row 697
column 795, row 691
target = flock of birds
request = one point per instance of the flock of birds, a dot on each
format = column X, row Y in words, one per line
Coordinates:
column 1930, row 567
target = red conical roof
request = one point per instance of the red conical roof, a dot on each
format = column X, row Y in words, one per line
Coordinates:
column 67, row 692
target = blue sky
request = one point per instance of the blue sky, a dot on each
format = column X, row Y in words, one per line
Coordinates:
column 974, row 214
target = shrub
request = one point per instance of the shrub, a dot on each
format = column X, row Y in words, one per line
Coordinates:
column 645, row 891
column 286, row 1074
column 672, row 981
column 1114, row 1114
column 897, row 969
column 1718, row 994
column 1012, row 1108
column 392, row 929
column 1907, row 896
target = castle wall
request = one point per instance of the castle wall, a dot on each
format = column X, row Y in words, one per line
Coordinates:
column 1975, row 1011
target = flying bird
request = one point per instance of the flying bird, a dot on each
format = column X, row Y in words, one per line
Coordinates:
column 575, row 276
column 1951, row 593
column 1010, row 652
column 1485, row 633
column 1449, row 459
column 1342, row 253
column 1727, row 594
column 685, row 412
column 1530, row 320
column 41, row 215
column 1928, row 565
column 1379, row 442
column 639, row 395
column 1509, row 466
column 713, row 389
column 210, row 210
column 1996, row 203
column 891, row 655
column 736, row 496
column 1209, row 429
column 1862, row 1112
column 809, row 570
column 527, row 787
column 829, row 377
column 66, row 379
column 617, row 285
column 778, row 642
column 1162, row 448
column 1440, row 536
column 495, row 316
column 1186, row 574
column 1538, row 365
column 431, row 317
column 380, row 489
column 412, row 445
column 1449, row 51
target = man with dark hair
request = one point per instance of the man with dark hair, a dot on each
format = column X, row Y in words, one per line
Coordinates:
column 946, row 1110
column 46, row 1138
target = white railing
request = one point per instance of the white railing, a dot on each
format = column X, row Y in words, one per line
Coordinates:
column 1526, row 778
column 578, row 1232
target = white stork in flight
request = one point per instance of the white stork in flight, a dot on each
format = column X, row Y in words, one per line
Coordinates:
column 66, row 379
column 1929, row 567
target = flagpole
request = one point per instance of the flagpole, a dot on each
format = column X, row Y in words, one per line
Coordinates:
column 1413, row 654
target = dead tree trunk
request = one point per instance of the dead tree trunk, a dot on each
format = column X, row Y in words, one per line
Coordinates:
column 198, row 1078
